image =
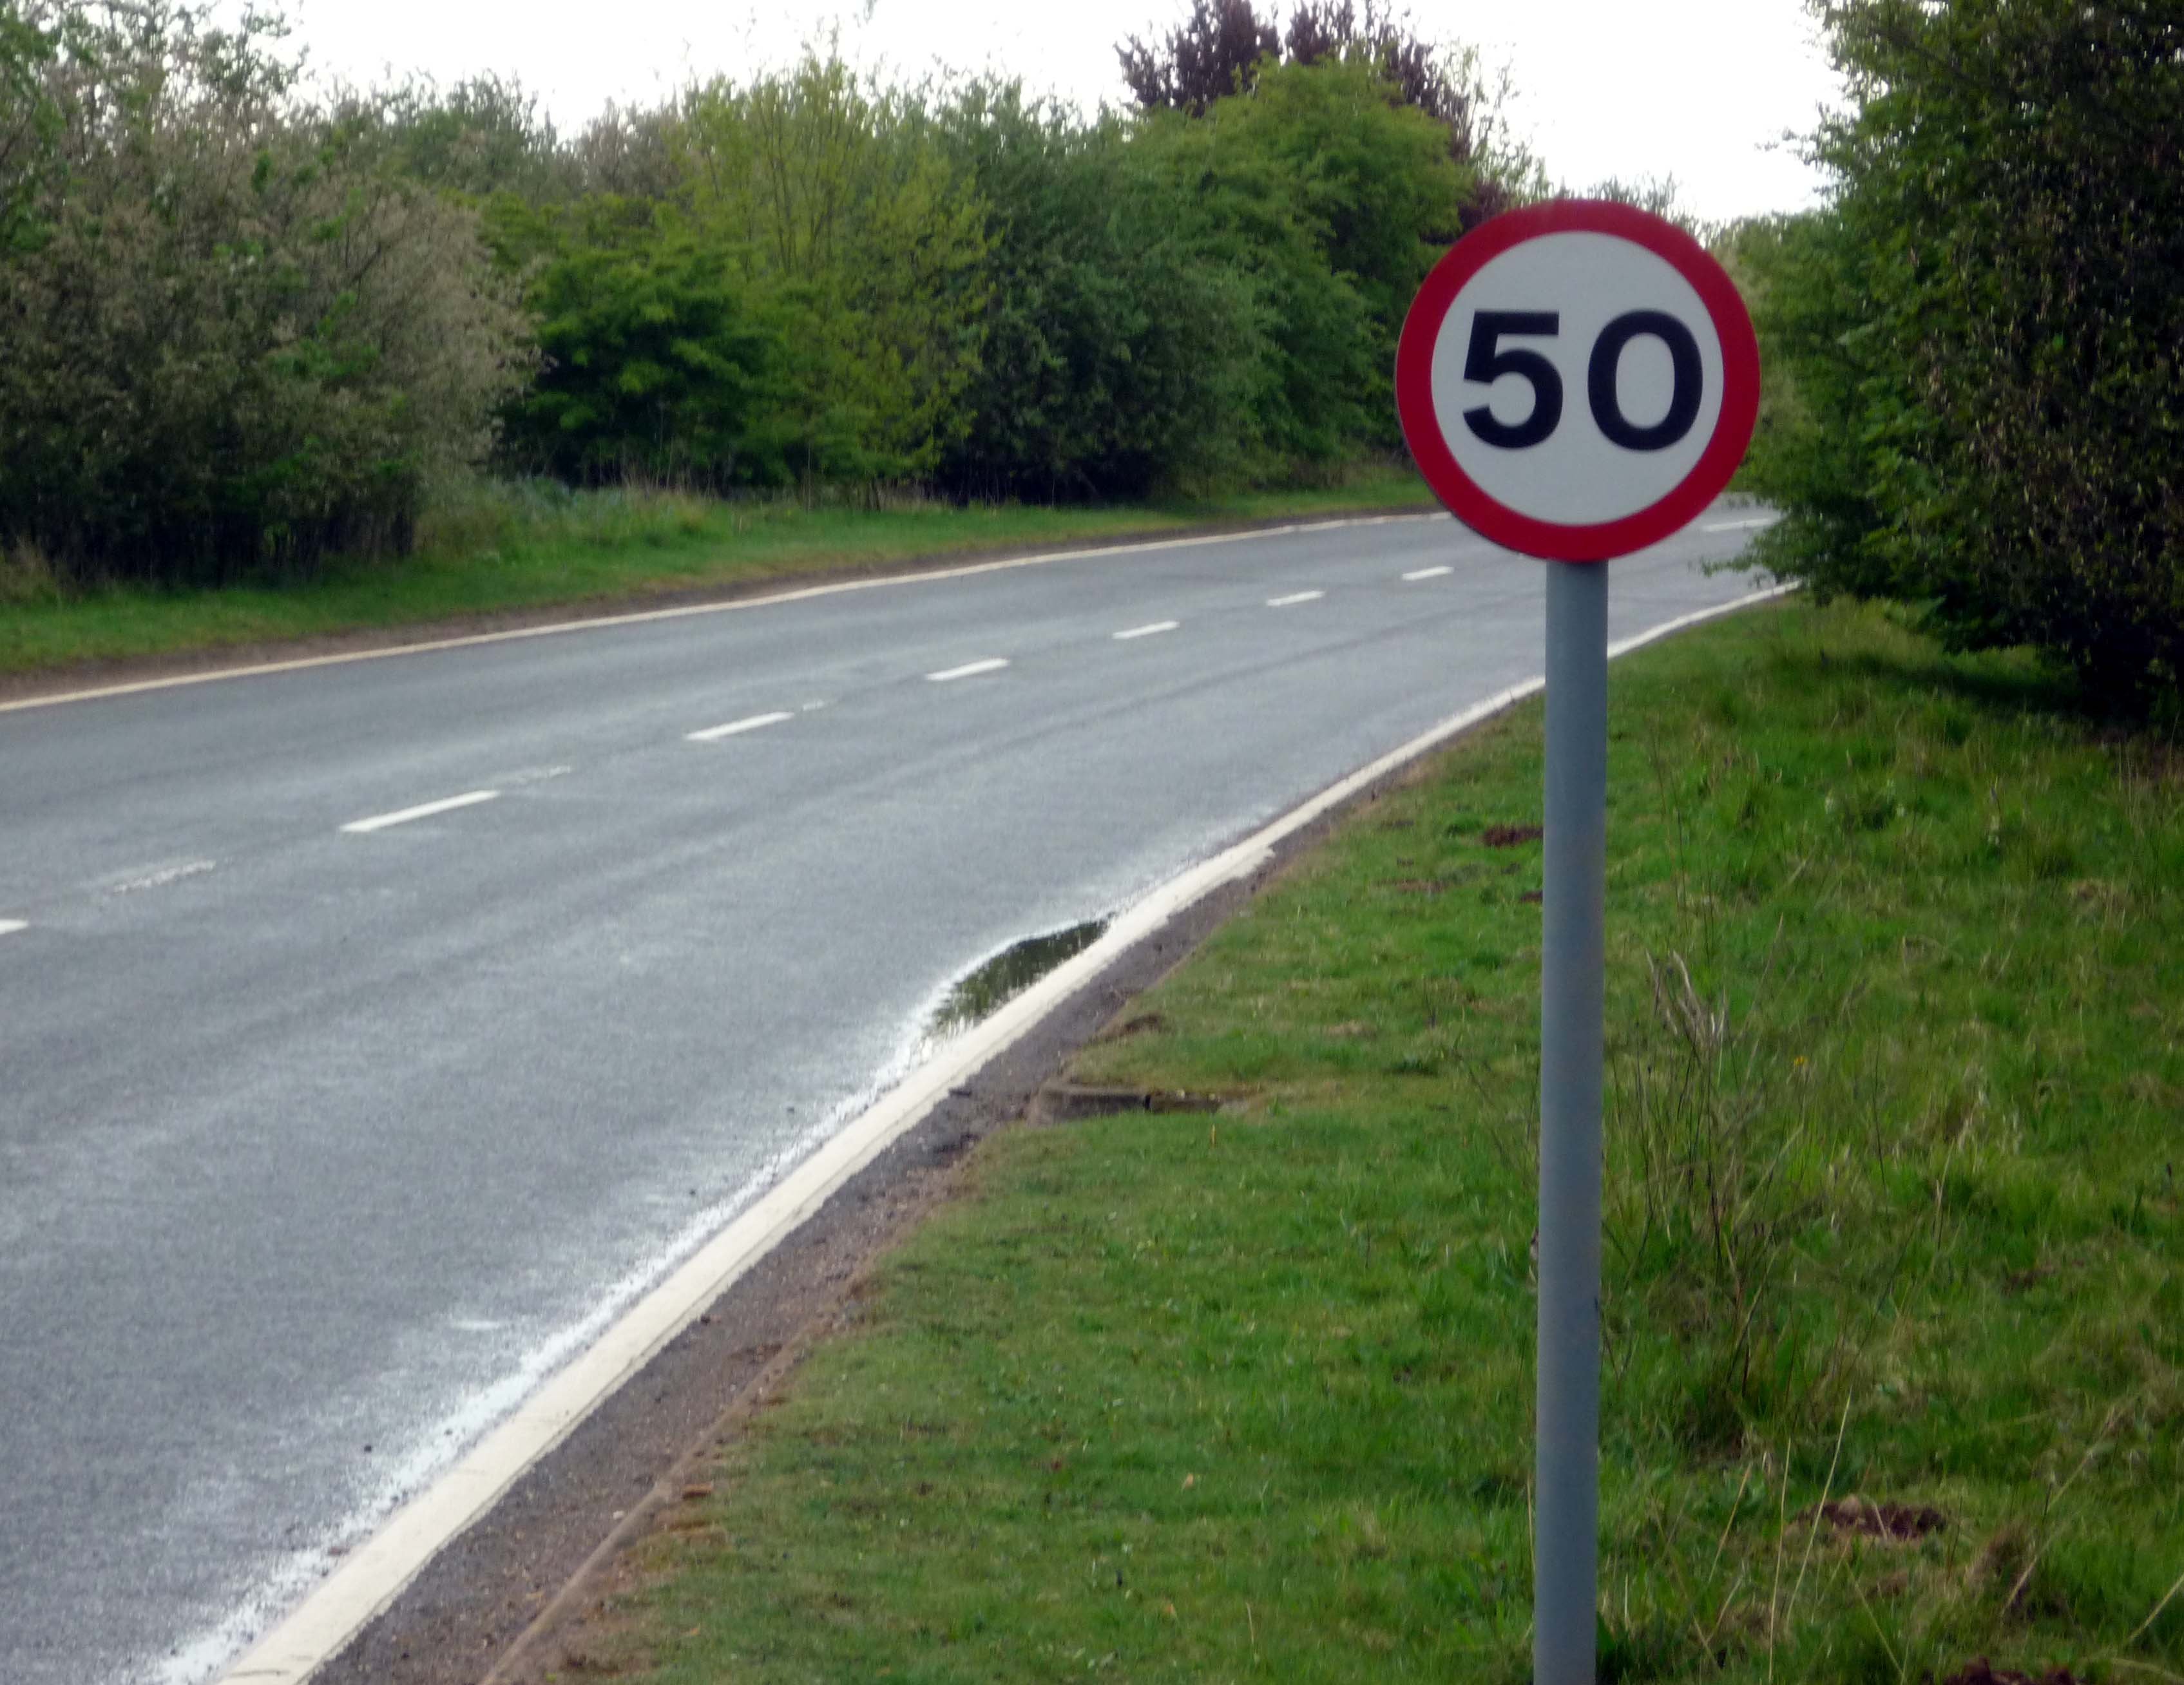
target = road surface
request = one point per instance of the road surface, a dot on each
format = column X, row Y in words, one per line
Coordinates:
column 370, row 1033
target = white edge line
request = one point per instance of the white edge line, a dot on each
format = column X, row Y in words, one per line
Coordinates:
column 1295, row 597
column 1147, row 631
column 422, row 810
column 684, row 611
column 713, row 734
column 969, row 670
column 373, row 1575
column 1427, row 573
column 9, row 926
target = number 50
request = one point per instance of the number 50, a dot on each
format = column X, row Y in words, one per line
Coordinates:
column 1487, row 361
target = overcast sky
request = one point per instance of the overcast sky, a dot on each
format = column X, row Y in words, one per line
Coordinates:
column 1701, row 89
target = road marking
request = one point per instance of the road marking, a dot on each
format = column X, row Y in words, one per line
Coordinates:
column 1295, row 597
column 160, row 880
column 374, row 1574
column 9, row 926
column 1427, row 573
column 1740, row 525
column 969, row 670
column 535, row 775
column 1147, row 631
column 713, row 734
column 423, row 810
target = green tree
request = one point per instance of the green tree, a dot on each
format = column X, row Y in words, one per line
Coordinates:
column 1114, row 361
column 234, row 343
column 1983, row 331
column 1333, row 199
column 655, row 365
column 28, row 118
column 849, row 223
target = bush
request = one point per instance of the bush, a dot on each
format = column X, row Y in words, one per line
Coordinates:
column 233, row 344
column 656, row 367
column 1982, row 333
column 1113, row 361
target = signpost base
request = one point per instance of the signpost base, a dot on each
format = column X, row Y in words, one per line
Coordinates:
column 1566, row 1540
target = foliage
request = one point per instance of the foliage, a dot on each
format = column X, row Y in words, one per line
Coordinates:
column 1333, row 202
column 1212, row 54
column 233, row 344
column 1223, row 47
column 842, row 211
column 1983, row 331
column 28, row 118
column 656, row 367
column 1113, row 360
column 249, row 321
column 480, row 137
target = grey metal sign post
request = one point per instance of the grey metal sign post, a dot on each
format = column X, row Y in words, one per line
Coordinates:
column 1572, row 968
column 1576, row 381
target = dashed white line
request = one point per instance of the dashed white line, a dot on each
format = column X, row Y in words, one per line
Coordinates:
column 160, row 880
column 1740, row 525
column 1147, row 631
column 9, row 926
column 713, row 734
column 1295, row 597
column 423, row 810
column 969, row 670
column 1426, row 573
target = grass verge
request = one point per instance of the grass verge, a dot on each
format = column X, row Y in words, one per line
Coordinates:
column 489, row 548
column 1895, row 1317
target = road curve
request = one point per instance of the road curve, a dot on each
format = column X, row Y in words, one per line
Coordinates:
column 369, row 1033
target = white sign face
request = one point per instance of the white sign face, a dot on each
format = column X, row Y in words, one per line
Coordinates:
column 1555, row 298
column 1577, row 380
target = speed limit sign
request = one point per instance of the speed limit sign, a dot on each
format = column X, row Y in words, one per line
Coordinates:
column 1578, row 380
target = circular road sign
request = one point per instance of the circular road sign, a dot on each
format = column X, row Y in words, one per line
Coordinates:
column 1577, row 380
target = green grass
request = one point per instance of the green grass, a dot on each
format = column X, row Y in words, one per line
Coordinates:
column 488, row 548
column 1897, row 1024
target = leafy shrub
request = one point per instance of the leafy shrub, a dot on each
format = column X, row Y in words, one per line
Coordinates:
column 1982, row 332
column 847, row 223
column 1113, row 360
column 656, row 367
column 233, row 344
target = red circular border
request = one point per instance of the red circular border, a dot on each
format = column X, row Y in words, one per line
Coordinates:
column 1549, row 540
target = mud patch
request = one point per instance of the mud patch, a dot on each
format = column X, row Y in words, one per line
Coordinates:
column 1983, row 1673
column 1895, row 1523
column 1067, row 1102
column 1510, row 836
column 1144, row 1024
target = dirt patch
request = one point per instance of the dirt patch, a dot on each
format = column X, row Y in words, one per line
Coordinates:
column 1894, row 1523
column 1143, row 1024
column 1510, row 836
column 1066, row 1101
column 1984, row 1672
column 1532, row 897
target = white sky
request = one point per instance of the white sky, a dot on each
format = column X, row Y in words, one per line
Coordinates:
column 1701, row 89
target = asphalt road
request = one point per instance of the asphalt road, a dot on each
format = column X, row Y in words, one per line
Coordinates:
column 328, row 1127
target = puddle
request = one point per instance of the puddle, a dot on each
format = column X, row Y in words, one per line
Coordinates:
column 978, row 995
